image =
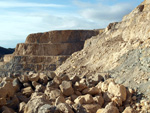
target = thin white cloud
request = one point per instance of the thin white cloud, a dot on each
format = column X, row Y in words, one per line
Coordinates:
column 100, row 12
column 10, row 4
column 16, row 26
column 110, row 13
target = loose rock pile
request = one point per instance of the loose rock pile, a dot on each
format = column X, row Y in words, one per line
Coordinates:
column 39, row 93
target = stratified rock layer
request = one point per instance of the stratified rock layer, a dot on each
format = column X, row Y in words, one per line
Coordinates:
column 46, row 51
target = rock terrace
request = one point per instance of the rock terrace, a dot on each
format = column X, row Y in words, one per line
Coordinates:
column 46, row 51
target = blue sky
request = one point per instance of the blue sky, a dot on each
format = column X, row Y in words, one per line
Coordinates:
column 18, row 18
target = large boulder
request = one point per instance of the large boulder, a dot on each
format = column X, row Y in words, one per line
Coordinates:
column 117, row 90
column 66, row 88
column 65, row 108
column 110, row 108
column 36, row 104
column 129, row 110
column 53, row 93
column 91, row 108
column 7, row 90
column 85, row 99
column 27, row 91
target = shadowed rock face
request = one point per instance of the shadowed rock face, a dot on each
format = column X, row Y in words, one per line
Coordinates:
column 122, row 51
column 46, row 51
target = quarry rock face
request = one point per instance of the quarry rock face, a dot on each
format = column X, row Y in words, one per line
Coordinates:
column 46, row 51
column 109, row 75
column 54, row 43
column 121, row 51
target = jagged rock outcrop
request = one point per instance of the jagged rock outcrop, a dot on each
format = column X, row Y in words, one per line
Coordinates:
column 46, row 51
column 121, row 51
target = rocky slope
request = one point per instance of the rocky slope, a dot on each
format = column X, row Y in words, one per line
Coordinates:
column 121, row 51
column 45, row 51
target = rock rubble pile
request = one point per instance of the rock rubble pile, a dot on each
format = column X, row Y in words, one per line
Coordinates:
column 40, row 93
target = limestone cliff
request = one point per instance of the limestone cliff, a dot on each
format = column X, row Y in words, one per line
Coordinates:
column 45, row 51
column 121, row 51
